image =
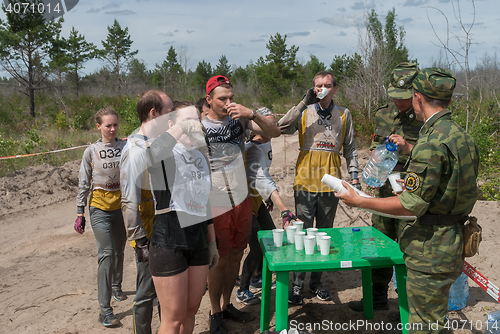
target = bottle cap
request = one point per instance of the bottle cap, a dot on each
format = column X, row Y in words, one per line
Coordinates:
column 390, row 146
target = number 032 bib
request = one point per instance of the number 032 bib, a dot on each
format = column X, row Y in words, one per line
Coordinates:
column 106, row 164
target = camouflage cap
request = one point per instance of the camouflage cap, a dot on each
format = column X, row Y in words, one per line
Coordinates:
column 401, row 79
column 436, row 83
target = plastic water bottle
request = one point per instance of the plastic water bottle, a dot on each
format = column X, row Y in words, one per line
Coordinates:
column 459, row 293
column 382, row 161
column 394, row 281
column 493, row 323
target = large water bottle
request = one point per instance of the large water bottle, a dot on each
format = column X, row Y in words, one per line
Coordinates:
column 394, row 281
column 459, row 293
column 382, row 161
column 492, row 323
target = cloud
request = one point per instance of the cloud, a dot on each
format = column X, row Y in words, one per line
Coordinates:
column 93, row 10
column 360, row 5
column 167, row 34
column 317, row 46
column 237, row 45
column 342, row 10
column 257, row 40
column 299, row 33
column 343, row 21
column 121, row 12
column 190, row 31
column 342, row 34
column 410, row 3
column 407, row 20
column 110, row 6
column 168, row 43
column 444, row 1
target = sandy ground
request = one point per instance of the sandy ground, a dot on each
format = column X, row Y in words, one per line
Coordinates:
column 48, row 272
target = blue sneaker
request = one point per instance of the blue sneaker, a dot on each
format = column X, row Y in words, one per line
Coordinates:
column 295, row 296
column 321, row 293
column 256, row 286
column 246, row 297
column 119, row 295
column 109, row 320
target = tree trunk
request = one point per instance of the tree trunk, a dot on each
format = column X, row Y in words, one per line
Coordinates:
column 31, row 89
column 76, row 82
column 32, row 101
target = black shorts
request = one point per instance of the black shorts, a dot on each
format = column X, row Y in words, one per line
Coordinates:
column 165, row 262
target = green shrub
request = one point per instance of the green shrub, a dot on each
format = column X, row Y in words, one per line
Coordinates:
column 129, row 121
column 60, row 120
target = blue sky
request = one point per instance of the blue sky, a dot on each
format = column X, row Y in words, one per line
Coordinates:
column 240, row 30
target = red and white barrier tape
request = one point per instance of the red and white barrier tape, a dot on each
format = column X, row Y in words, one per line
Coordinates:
column 31, row 154
column 284, row 138
column 61, row 150
column 482, row 281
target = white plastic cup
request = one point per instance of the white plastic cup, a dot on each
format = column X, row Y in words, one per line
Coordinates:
column 278, row 237
column 299, row 240
column 309, row 242
column 324, row 92
column 299, row 224
column 396, row 186
column 324, row 241
column 319, row 235
column 311, row 231
column 290, row 231
column 334, row 183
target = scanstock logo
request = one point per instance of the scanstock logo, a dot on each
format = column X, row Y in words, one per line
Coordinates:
column 50, row 9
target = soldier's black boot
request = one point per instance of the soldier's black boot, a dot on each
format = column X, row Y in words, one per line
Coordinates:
column 379, row 299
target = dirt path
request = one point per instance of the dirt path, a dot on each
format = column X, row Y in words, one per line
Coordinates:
column 48, row 272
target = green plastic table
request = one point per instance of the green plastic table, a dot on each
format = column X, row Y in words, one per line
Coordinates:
column 365, row 249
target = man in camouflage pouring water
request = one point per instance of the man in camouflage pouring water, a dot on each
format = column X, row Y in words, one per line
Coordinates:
column 441, row 190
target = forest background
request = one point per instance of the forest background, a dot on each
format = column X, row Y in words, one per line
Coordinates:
column 47, row 104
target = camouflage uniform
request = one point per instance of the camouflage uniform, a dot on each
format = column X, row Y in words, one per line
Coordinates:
column 389, row 120
column 441, row 180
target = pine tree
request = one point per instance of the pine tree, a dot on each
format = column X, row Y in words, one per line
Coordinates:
column 169, row 72
column 223, row 67
column 314, row 66
column 277, row 73
column 25, row 44
column 117, row 51
column 78, row 51
column 202, row 73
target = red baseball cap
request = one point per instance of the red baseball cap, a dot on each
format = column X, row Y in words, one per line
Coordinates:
column 216, row 81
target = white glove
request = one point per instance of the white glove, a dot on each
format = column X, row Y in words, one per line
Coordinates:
column 190, row 126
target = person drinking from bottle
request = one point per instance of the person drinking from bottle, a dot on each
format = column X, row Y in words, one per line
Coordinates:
column 183, row 247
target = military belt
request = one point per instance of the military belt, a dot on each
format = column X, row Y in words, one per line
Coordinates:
column 431, row 219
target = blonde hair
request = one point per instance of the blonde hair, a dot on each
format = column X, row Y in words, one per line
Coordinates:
column 104, row 112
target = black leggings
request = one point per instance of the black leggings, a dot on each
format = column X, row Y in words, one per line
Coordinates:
column 253, row 260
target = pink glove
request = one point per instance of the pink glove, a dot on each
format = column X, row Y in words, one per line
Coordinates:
column 80, row 224
column 288, row 217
